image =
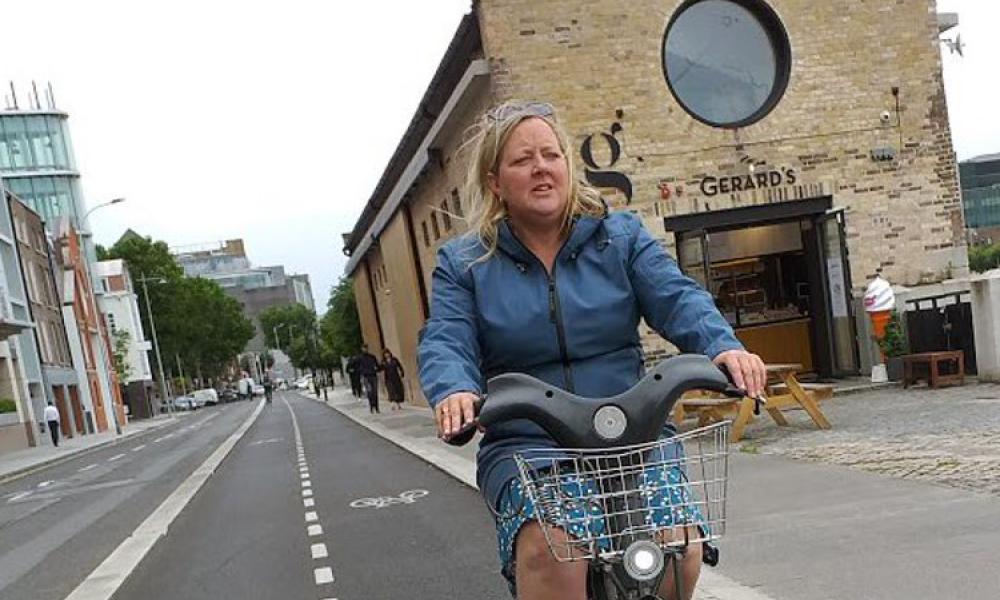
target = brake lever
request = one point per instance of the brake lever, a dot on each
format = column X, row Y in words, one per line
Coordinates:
column 758, row 401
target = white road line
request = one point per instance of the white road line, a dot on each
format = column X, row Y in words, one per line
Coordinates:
column 159, row 439
column 311, row 516
column 138, row 448
column 304, row 475
column 306, row 483
column 324, row 575
column 115, row 457
column 17, row 497
column 307, row 493
column 308, row 503
column 45, row 484
column 319, row 551
column 104, row 581
column 87, row 468
column 314, row 530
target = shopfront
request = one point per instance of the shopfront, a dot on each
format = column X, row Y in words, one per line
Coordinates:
column 779, row 275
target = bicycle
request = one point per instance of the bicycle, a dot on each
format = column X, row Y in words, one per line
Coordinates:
column 597, row 485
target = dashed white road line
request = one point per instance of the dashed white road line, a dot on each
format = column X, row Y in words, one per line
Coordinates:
column 308, row 503
column 314, row 530
column 138, row 448
column 311, row 517
column 319, row 551
column 87, row 468
column 17, row 497
column 323, row 575
column 115, row 457
column 306, row 493
column 306, row 483
column 45, row 484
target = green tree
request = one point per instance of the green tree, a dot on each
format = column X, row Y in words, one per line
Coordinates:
column 195, row 319
column 120, row 340
column 340, row 327
column 984, row 258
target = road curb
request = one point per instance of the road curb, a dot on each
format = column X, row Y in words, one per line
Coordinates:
column 58, row 460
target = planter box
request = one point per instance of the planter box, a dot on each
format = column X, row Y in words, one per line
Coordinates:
column 9, row 419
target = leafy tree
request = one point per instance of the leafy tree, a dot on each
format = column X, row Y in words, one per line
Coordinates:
column 984, row 258
column 340, row 327
column 120, row 339
column 195, row 319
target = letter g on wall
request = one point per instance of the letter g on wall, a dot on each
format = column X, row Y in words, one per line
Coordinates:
column 602, row 177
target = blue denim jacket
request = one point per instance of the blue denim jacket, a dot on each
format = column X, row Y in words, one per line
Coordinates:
column 577, row 329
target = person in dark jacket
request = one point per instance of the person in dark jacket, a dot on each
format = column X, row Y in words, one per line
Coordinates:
column 368, row 367
column 355, row 376
column 393, row 372
column 548, row 283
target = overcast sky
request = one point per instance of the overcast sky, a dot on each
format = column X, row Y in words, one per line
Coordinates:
column 272, row 121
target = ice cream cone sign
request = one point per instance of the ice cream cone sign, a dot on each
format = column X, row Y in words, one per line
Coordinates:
column 879, row 301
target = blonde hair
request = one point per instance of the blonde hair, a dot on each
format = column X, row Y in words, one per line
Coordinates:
column 491, row 133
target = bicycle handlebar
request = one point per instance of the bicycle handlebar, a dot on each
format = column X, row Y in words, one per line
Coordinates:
column 632, row 417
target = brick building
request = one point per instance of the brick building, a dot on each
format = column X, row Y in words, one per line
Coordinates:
column 783, row 150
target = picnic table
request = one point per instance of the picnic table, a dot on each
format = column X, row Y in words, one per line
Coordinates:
column 783, row 391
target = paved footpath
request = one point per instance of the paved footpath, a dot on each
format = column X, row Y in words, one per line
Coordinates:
column 811, row 530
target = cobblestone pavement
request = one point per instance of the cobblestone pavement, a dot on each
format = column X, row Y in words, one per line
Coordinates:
column 949, row 436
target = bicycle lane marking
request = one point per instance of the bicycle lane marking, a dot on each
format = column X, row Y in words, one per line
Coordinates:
column 323, row 574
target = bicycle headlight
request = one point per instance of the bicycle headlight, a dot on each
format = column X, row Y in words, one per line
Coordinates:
column 643, row 560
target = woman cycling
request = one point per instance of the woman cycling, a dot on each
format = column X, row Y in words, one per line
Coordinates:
column 549, row 283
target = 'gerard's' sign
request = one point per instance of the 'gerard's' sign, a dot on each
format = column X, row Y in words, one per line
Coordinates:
column 711, row 186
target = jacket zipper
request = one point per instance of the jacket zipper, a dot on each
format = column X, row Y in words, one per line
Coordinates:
column 555, row 313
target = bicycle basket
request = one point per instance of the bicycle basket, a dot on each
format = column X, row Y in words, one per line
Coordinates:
column 672, row 491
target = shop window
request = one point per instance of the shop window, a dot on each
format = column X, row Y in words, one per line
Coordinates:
column 456, row 204
column 727, row 62
column 434, row 226
column 445, row 215
column 427, row 237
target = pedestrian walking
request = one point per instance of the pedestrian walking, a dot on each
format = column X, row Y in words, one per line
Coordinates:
column 355, row 376
column 394, row 374
column 368, row 367
column 52, row 418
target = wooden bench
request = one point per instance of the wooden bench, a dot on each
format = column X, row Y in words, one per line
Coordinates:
column 709, row 410
column 933, row 362
column 819, row 391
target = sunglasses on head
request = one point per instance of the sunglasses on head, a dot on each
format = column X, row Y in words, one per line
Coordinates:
column 527, row 109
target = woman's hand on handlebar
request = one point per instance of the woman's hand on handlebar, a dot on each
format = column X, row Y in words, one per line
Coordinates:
column 455, row 412
column 746, row 370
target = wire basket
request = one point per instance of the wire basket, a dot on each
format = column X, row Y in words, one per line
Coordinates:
column 671, row 491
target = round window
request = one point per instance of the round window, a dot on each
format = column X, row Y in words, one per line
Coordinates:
column 726, row 61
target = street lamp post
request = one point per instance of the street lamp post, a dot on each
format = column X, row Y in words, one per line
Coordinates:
column 156, row 344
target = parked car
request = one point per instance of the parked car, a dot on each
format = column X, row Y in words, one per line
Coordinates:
column 184, row 403
column 206, row 396
column 304, row 383
column 258, row 389
column 229, row 395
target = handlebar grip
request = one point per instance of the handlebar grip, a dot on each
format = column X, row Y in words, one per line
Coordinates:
column 464, row 435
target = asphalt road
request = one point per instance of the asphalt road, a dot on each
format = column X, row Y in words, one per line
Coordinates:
column 247, row 533
column 58, row 524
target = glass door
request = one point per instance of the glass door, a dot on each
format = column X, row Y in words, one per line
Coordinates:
column 840, row 326
column 692, row 256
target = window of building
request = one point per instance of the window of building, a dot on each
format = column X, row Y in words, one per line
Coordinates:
column 445, row 215
column 726, row 62
column 435, row 227
column 456, row 204
column 427, row 237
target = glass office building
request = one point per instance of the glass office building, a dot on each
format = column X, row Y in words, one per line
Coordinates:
column 37, row 164
column 980, row 178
